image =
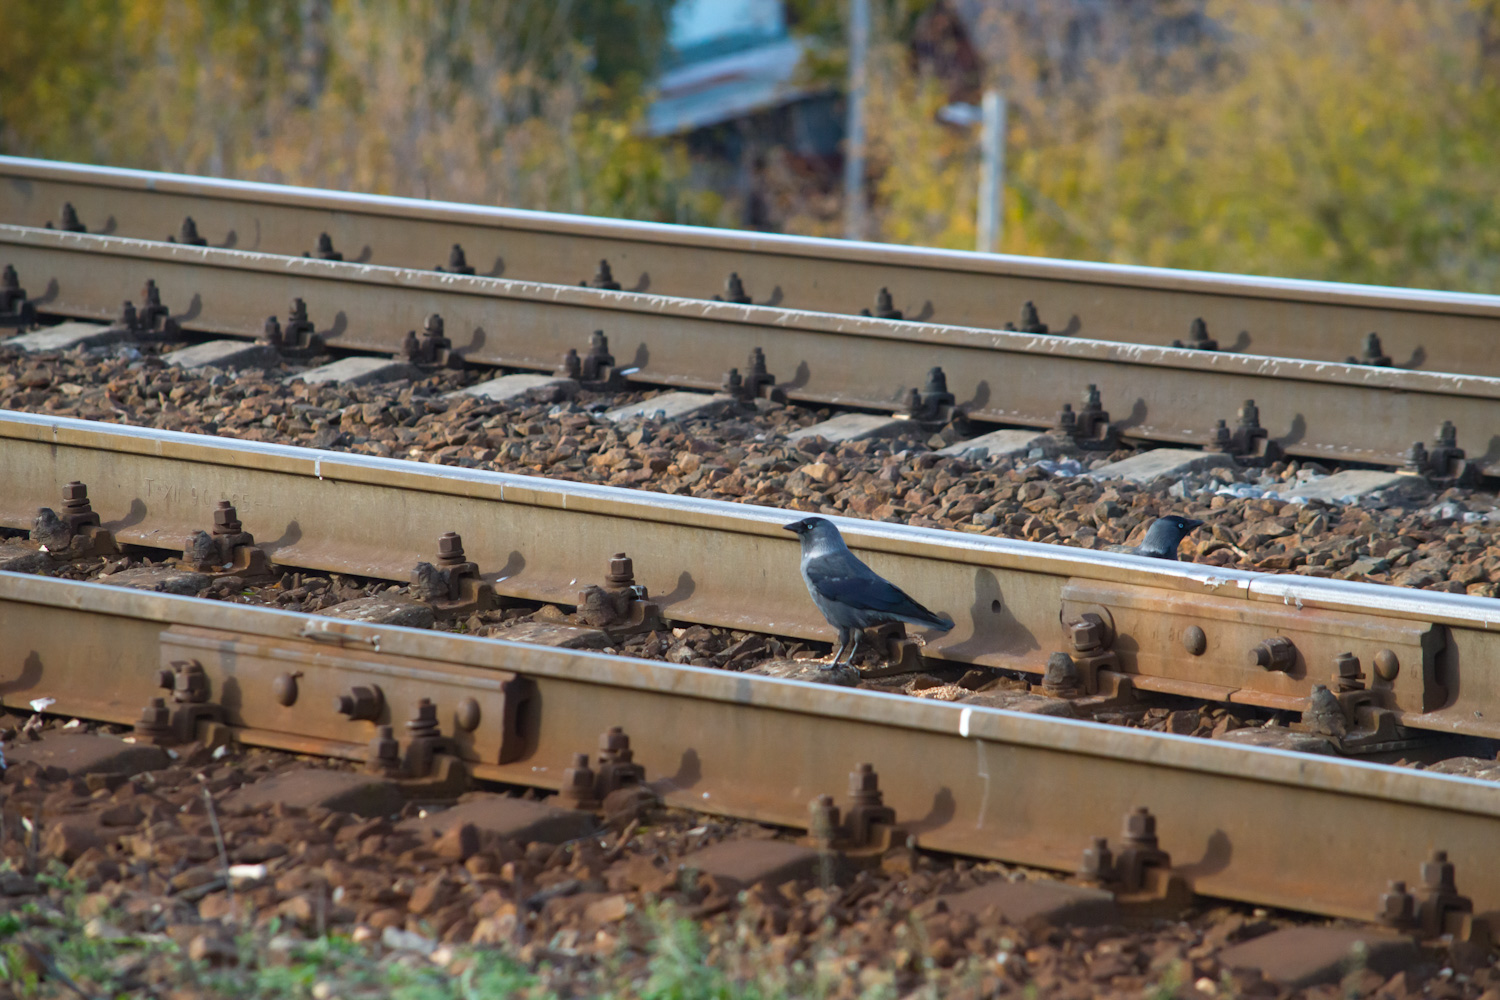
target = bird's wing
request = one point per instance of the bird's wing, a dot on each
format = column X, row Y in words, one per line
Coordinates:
column 868, row 593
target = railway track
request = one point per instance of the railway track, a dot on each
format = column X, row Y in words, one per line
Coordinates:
column 1436, row 331
column 1333, row 412
column 1178, row 629
column 752, row 746
column 1039, row 626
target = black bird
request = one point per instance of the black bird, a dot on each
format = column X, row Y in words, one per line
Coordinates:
column 850, row 595
column 1162, row 538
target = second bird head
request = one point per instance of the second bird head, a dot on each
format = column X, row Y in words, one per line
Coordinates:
column 814, row 530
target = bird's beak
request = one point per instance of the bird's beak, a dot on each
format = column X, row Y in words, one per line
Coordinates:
column 797, row 527
column 1192, row 523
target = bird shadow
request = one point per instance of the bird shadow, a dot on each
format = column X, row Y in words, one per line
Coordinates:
column 1136, row 417
column 684, row 590
column 1417, row 360
column 1216, row 856
column 1492, row 453
column 477, row 340
column 689, row 773
column 514, row 564
column 194, row 310
column 643, row 285
column 992, row 626
column 50, row 295
column 1296, row 433
column 944, row 808
column 979, row 400
column 231, row 240
column 924, row 314
column 1074, row 327
column 291, row 536
column 136, row 516
column 340, row 324
column 364, row 255
column 776, row 297
column 30, row 676
column 800, row 379
column 1240, row 345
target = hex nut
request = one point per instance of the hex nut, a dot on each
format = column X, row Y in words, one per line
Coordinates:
column 1275, row 653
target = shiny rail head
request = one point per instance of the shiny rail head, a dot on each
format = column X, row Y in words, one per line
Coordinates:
column 720, row 515
column 1374, row 296
column 1332, row 373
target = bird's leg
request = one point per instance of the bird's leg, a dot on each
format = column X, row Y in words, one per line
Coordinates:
column 843, row 641
column 856, row 634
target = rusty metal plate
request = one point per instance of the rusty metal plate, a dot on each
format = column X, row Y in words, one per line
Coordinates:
column 328, row 663
column 1259, row 825
column 1151, row 626
column 1436, row 331
column 1329, row 411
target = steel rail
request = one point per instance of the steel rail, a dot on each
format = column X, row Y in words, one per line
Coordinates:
column 1427, row 654
column 1328, row 411
column 1323, row 321
column 1264, row 826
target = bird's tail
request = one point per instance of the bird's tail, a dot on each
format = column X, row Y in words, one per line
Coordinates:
column 928, row 619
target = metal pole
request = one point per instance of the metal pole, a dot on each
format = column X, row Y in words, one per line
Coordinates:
column 854, row 143
column 991, row 171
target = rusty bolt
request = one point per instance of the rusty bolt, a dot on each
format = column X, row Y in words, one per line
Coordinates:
column 1275, row 653
column 1438, row 873
column 734, row 290
column 1387, row 666
column 603, row 278
column 823, row 821
column 457, row 262
column 188, row 233
column 621, row 571
column 466, row 715
column 1346, row 673
column 1397, row 906
column 1061, row 677
column 433, row 325
column 1194, row 640
column 75, row 495
column 1098, row 860
column 1140, row 828
column 191, row 682
column 165, row 679
column 1088, row 633
column 70, row 223
column 578, row 783
column 615, row 745
column 226, row 519
column 451, row 549
column 156, row 717
column 383, row 748
column 360, row 703
column 864, row 785
column 284, row 688
column 424, row 722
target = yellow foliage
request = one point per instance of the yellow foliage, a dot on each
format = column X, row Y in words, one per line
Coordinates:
column 373, row 100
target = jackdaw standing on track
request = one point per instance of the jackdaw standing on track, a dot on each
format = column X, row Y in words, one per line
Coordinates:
column 1162, row 538
column 850, row 595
